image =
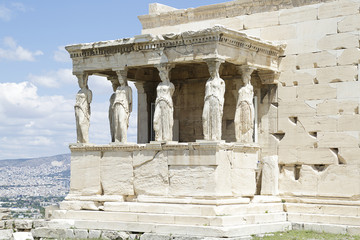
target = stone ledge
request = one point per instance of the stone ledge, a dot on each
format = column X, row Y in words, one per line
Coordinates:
column 252, row 147
column 216, row 11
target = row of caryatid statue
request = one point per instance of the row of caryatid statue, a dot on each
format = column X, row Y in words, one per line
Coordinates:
column 121, row 106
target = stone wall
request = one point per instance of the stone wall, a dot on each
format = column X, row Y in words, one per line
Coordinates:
column 62, row 229
column 313, row 121
column 203, row 170
column 161, row 16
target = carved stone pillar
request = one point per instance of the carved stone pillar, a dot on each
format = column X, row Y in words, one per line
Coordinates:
column 143, row 115
column 213, row 102
column 82, row 108
column 164, row 108
column 120, row 108
column 245, row 112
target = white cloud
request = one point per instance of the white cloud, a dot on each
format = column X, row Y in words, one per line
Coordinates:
column 61, row 55
column 30, row 124
column 47, row 81
column 19, row 6
column 41, row 141
column 20, row 100
column 5, row 13
column 39, row 125
column 54, row 79
column 34, row 125
column 14, row 52
column 8, row 12
column 100, row 84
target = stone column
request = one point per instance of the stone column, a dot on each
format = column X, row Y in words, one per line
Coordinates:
column 164, row 107
column 244, row 113
column 213, row 102
column 143, row 115
column 82, row 108
column 120, row 108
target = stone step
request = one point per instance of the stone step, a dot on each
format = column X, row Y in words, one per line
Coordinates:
column 183, row 209
column 323, row 218
column 311, row 200
column 172, row 218
column 6, row 234
column 353, row 211
column 328, row 228
column 205, row 231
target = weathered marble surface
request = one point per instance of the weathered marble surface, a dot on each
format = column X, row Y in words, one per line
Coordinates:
column 82, row 109
column 245, row 112
column 213, row 102
column 206, row 169
column 120, row 109
column 164, row 107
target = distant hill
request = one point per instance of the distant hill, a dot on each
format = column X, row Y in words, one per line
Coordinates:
column 44, row 176
column 23, row 162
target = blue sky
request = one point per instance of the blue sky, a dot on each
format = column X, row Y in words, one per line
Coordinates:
column 37, row 89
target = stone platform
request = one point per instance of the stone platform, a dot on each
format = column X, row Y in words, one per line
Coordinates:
column 193, row 189
column 125, row 171
column 207, row 218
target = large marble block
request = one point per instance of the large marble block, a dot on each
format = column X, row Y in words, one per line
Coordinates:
column 85, row 174
column 201, row 169
column 116, row 172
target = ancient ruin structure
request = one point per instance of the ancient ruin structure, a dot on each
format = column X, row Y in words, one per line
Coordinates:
column 248, row 122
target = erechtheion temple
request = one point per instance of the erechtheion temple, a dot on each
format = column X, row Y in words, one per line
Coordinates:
column 248, row 123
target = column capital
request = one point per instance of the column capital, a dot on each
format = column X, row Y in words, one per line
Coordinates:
column 164, row 70
column 140, row 86
column 122, row 75
column 268, row 77
column 214, row 66
column 214, row 60
column 114, row 81
column 82, row 78
column 245, row 71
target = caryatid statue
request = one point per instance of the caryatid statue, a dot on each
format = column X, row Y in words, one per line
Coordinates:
column 82, row 109
column 213, row 102
column 244, row 114
column 120, row 107
column 164, row 108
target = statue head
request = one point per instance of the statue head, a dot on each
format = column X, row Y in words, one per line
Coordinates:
column 82, row 80
column 214, row 67
column 164, row 76
column 164, row 71
column 122, row 77
column 121, row 81
column 246, row 72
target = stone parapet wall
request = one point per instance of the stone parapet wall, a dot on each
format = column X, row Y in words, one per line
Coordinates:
column 222, row 10
column 172, row 170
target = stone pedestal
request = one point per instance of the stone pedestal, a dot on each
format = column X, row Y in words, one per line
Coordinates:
column 202, row 189
column 167, row 169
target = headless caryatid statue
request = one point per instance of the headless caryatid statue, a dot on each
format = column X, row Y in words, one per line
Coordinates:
column 213, row 103
column 244, row 114
column 164, row 108
column 120, row 109
column 82, row 110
